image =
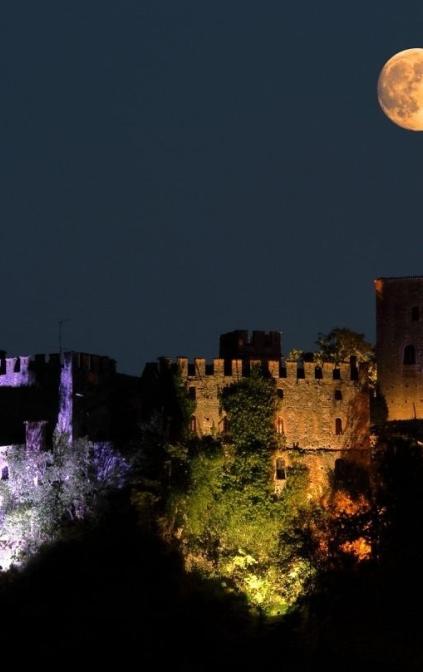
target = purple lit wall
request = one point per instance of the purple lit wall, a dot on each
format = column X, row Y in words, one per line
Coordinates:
column 3, row 458
column 64, row 421
column 12, row 378
column 35, row 434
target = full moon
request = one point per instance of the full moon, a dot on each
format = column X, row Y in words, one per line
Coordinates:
column 400, row 89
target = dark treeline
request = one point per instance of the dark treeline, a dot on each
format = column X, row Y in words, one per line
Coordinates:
column 114, row 592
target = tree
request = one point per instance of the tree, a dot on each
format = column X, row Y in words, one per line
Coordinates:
column 228, row 520
column 341, row 343
column 250, row 406
column 49, row 489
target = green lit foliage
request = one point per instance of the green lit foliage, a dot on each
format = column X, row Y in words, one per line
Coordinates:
column 229, row 521
column 234, row 527
column 250, row 406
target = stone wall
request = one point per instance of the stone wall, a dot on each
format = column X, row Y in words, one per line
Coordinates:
column 399, row 349
column 318, row 408
column 321, row 465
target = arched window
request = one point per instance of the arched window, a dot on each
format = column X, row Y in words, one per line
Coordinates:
column 193, row 425
column 279, row 426
column 409, row 355
column 280, row 474
column 338, row 426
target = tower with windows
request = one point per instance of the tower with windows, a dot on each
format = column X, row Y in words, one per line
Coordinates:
column 399, row 347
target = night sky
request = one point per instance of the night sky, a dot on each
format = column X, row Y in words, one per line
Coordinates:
column 174, row 169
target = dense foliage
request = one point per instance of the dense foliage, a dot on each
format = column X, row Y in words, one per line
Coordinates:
column 229, row 520
column 341, row 343
column 46, row 490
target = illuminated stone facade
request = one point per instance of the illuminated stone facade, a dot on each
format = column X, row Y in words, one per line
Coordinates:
column 399, row 349
column 318, row 408
column 323, row 413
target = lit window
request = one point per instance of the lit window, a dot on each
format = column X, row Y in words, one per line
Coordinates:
column 279, row 426
column 280, row 474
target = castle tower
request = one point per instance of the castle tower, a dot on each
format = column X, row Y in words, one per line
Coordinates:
column 399, row 348
column 241, row 344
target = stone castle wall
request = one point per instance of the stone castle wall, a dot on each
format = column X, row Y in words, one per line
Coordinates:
column 318, row 408
column 399, row 349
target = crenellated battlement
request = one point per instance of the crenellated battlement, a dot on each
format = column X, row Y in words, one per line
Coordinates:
column 81, row 360
column 243, row 344
column 15, row 372
column 199, row 367
column 22, row 371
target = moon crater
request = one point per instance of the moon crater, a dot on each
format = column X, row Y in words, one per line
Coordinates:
column 400, row 89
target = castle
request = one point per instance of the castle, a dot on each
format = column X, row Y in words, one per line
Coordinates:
column 76, row 394
column 324, row 408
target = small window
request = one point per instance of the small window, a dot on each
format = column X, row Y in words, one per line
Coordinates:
column 279, row 392
column 5, row 474
column 354, row 373
column 279, row 426
column 280, row 474
column 193, row 425
column 192, row 393
column 409, row 355
column 415, row 313
column 338, row 395
column 338, row 426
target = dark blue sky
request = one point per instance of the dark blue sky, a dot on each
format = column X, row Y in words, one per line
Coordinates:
column 172, row 169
